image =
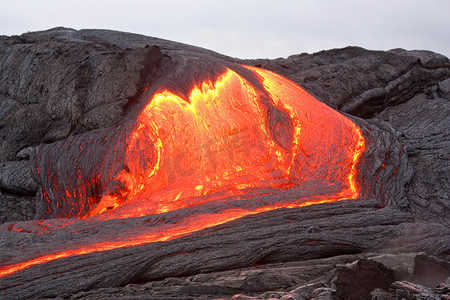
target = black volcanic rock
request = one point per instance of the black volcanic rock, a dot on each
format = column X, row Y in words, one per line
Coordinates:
column 58, row 84
column 357, row 281
column 53, row 88
column 360, row 82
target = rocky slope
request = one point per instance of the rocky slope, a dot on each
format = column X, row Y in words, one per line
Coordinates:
column 62, row 83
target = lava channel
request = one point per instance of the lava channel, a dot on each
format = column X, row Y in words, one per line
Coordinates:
column 242, row 133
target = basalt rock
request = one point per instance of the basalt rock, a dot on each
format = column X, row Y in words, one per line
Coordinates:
column 64, row 88
column 341, row 277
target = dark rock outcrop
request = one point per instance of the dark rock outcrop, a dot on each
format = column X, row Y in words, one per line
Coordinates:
column 58, row 84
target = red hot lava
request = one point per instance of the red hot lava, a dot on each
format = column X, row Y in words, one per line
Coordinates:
column 229, row 137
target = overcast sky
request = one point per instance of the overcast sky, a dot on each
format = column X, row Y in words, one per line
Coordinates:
column 249, row 29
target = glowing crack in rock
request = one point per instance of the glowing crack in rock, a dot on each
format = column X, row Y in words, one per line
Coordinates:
column 230, row 137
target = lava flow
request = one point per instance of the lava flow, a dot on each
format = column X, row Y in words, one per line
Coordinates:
column 248, row 130
column 227, row 137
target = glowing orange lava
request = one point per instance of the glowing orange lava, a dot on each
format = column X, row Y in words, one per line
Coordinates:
column 227, row 138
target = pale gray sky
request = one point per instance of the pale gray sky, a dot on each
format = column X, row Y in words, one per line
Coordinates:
column 249, row 29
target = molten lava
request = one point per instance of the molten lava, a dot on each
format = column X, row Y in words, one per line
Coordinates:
column 228, row 137
column 239, row 135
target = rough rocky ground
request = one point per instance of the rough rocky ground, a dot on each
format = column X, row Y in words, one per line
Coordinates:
column 387, row 276
column 61, row 83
